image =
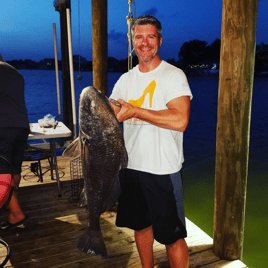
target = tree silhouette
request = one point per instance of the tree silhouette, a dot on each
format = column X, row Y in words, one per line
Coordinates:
column 193, row 52
column 214, row 50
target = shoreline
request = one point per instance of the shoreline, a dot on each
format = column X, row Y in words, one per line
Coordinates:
column 188, row 72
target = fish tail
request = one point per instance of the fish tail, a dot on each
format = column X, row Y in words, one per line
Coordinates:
column 92, row 242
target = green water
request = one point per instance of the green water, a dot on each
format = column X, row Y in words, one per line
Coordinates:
column 198, row 184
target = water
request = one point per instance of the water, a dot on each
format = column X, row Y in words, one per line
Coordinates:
column 41, row 95
column 199, row 147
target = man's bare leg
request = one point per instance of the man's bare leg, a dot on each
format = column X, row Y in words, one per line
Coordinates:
column 144, row 241
column 178, row 255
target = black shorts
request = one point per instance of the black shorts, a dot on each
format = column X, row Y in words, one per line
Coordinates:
column 13, row 141
column 152, row 200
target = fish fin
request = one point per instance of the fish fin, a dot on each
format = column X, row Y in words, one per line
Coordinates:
column 92, row 242
column 73, row 150
column 83, row 199
column 113, row 198
column 124, row 160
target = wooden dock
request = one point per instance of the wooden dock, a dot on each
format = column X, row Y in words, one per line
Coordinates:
column 49, row 236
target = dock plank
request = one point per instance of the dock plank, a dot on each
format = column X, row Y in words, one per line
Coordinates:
column 226, row 264
column 49, row 237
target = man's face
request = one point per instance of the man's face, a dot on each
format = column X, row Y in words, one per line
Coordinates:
column 146, row 42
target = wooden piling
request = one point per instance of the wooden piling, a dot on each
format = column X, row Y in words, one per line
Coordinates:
column 99, row 45
column 238, row 42
column 65, row 68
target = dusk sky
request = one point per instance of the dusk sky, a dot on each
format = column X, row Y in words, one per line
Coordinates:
column 26, row 27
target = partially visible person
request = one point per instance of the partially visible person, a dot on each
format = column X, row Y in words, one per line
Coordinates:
column 14, row 130
column 155, row 108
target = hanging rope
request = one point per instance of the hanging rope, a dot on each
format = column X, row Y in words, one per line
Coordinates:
column 130, row 21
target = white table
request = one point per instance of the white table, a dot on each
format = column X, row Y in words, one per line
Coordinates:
column 61, row 131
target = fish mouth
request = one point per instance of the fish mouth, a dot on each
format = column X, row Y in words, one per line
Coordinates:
column 116, row 103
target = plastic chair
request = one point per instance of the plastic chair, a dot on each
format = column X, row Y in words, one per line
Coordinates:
column 6, row 191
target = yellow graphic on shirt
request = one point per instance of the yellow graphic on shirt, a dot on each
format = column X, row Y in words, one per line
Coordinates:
column 148, row 90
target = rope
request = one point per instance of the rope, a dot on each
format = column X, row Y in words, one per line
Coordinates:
column 130, row 21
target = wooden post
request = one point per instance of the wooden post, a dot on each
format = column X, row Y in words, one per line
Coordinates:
column 61, row 6
column 57, row 70
column 99, row 45
column 70, row 49
column 238, row 42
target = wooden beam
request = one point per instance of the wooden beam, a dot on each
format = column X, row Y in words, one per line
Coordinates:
column 238, row 42
column 65, row 68
column 99, row 45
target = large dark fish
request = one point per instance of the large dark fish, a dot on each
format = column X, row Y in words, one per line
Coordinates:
column 103, row 154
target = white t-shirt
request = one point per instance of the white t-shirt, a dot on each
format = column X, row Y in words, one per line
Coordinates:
column 150, row 148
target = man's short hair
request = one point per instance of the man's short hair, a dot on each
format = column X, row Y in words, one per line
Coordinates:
column 148, row 19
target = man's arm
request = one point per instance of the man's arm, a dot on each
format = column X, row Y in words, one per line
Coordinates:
column 176, row 117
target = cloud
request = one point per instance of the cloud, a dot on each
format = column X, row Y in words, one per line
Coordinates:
column 118, row 37
column 152, row 11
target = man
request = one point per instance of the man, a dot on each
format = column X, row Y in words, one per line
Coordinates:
column 14, row 129
column 155, row 108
